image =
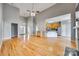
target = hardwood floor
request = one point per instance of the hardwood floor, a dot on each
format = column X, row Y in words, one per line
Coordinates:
column 35, row 46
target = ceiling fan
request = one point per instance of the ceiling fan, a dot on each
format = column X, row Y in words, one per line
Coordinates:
column 32, row 12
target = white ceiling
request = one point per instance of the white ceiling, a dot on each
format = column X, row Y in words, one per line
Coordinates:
column 28, row 6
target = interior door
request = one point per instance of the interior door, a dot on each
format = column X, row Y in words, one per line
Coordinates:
column 14, row 29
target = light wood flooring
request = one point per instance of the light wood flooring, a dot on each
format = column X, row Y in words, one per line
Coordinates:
column 35, row 46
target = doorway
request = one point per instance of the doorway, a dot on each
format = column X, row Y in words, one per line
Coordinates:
column 14, row 30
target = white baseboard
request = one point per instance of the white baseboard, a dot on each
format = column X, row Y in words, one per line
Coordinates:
column 6, row 38
column 0, row 44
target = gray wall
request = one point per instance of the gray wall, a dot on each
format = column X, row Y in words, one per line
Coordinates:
column 77, row 7
column 1, row 22
column 56, row 10
column 66, row 28
column 11, row 15
column 72, row 25
column 24, row 23
column 30, row 25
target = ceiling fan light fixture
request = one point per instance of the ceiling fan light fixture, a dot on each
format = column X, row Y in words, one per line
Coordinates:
column 33, row 14
column 37, row 11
